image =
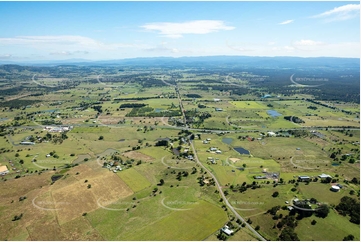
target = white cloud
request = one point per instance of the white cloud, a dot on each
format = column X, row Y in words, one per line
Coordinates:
column 73, row 42
column 286, row 22
column 340, row 13
column 177, row 30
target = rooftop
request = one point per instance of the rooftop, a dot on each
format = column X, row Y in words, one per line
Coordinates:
column 3, row 168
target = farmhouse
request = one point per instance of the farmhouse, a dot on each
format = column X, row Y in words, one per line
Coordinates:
column 219, row 109
column 213, row 149
column 271, row 133
column 226, row 230
column 216, row 99
column 3, row 170
column 218, row 152
column 303, row 178
column 205, row 142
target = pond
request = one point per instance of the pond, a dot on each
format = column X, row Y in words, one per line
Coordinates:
column 241, row 150
column 228, row 141
column 335, row 164
column 273, row 113
column 158, row 110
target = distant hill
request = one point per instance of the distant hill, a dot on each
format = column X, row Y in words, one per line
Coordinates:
column 241, row 61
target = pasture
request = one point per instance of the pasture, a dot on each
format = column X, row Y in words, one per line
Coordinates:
column 133, row 179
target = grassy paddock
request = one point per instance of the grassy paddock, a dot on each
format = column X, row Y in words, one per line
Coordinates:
column 134, row 180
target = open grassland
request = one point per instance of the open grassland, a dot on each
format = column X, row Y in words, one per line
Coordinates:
column 134, row 180
column 329, row 121
column 194, row 224
column 155, row 152
column 333, row 227
column 321, row 192
column 248, row 105
column 279, row 147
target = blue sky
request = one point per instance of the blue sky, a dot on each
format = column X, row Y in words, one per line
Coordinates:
column 117, row 30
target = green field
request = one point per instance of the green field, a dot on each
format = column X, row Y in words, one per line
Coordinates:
column 134, row 180
column 248, row 105
column 193, row 224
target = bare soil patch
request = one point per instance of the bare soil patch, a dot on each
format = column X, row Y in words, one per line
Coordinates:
column 138, row 156
column 234, row 160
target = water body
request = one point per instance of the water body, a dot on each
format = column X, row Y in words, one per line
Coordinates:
column 273, row 113
column 335, row 164
column 3, row 119
column 228, row 141
column 158, row 110
column 241, row 150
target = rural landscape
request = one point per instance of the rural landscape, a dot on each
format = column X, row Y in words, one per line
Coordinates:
column 193, row 148
column 180, row 121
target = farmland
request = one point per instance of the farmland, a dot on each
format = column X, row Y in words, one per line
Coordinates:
column 106, row 153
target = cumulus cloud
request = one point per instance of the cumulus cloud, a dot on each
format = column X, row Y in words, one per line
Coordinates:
column 286, row 22
column 177, row 30
column 340, row 13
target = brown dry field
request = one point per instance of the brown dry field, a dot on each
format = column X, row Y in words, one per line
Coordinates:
column 109, row 120
column 54, row 212
column 104, row 185
column 138, row 156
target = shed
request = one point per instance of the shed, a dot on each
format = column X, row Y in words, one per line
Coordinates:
column 226, row 230
column 324, row 176
column 4, row 170
column 335, row 188
column 303, row 178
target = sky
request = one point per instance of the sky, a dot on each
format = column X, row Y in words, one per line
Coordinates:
column 32, row 31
